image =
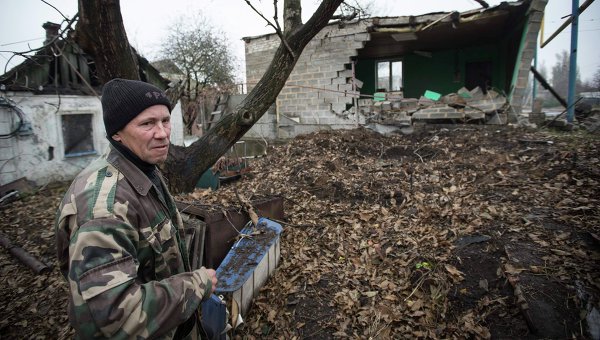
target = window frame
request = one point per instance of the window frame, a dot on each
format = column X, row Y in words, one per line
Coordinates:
column 91, row 136
column 390, row 77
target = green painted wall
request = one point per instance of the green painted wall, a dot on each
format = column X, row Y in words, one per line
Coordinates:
column 438, row 73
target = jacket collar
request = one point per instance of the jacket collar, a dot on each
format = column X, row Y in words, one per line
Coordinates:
column 140, row 182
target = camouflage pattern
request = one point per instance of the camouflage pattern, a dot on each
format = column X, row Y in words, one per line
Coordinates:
column 121, row 248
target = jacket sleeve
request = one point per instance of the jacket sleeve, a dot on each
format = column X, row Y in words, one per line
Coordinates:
column 110, row 300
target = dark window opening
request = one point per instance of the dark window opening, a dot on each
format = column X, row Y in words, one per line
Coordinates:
column 478, row 74
column 77, row 135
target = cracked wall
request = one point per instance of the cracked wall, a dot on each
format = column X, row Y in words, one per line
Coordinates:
column 39, row 154
column 319, row 91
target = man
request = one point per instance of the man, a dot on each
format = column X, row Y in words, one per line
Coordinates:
column 120, row 238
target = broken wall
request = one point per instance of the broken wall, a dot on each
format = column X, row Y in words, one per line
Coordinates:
column 525, row 55
column 442, row 72
column 319, row 91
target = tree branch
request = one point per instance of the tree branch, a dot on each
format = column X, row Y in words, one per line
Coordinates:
column 483, row 3
column 275, row 26
column 49, row 43
column 185, row 165
column 56, row 9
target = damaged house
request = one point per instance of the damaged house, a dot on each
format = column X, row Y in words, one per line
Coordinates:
column 51, row 116
column 393, row 71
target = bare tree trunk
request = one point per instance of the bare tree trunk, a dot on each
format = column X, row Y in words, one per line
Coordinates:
column 103, row 33
column 185, row 165
column 100, row 32
column 292, row 14
column 196, row 88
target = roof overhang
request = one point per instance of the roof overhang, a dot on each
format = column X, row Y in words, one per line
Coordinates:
column 398, row 36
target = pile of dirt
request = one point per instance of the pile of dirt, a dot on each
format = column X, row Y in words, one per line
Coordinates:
column 465, row 231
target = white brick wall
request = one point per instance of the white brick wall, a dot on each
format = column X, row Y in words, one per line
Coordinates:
column 320, row 70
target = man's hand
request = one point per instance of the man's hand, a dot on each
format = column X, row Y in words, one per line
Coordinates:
column 212, row 274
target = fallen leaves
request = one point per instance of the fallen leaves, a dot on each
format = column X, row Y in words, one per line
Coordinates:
column 376, row 256
column 456, row 274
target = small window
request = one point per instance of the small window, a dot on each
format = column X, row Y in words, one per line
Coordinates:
column 77, row 135
column 389, row 75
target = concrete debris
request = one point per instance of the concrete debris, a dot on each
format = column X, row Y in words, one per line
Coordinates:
column 464, row 105
column 389, row 130
column 591, row 122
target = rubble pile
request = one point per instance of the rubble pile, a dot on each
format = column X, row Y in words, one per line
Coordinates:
column 463, row 106
column 430, row 235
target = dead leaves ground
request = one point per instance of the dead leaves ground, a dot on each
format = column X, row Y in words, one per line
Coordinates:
column 405, row 236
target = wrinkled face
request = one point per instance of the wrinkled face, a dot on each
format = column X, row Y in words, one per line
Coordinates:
column 148, row 134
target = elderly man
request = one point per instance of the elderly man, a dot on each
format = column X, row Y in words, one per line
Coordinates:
column 119, row 236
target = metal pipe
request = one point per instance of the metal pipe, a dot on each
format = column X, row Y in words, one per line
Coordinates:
column 26, row 258
column 573, row 61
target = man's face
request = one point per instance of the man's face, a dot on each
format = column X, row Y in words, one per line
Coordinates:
column 148, row 134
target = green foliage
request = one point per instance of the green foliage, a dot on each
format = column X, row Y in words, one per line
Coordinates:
column 424, row 265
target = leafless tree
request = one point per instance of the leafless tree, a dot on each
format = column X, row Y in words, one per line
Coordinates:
column 101, row 31
column 560, row 75
column 202, row 56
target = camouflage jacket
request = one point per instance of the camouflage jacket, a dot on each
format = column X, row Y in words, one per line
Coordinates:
column 121, row 248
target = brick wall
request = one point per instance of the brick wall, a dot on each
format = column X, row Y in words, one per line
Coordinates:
column 536, row 12
column 319, row 88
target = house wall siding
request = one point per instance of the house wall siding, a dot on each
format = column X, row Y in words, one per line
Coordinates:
column 38, row 154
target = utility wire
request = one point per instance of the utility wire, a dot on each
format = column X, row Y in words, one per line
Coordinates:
column 22, row 41
column 5, row 102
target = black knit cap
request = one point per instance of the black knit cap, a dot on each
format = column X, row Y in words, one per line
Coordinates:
column 123, row 100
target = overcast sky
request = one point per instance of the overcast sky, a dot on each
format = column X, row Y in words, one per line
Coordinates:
column 147, row 22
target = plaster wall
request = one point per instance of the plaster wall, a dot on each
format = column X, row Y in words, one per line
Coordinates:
column 38, row 153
